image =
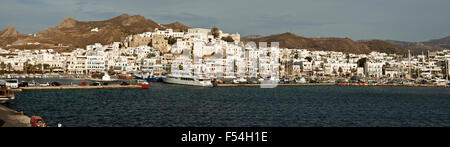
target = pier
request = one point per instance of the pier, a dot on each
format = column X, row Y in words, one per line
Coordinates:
column 333, row 84
column 71, row 87
column 256, row 85
column 12, row 118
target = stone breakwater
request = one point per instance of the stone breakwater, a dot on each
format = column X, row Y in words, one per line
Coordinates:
column 12, row 118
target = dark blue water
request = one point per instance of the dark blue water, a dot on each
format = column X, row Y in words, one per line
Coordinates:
column 175, row 105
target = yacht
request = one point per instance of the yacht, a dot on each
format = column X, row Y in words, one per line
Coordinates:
column 5, row 94
column 188, row 80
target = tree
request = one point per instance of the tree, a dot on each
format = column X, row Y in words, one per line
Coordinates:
column 111, row 70
column 171, row 40
column 361, row 62
column 215, row 32
column 228, row 39
column 9, row 66
column 3, row 66
column 46, row 66
column 340, row 70
column 309, row 59
column 151, row 55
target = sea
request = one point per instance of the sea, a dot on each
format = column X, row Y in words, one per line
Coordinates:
column 168, row 105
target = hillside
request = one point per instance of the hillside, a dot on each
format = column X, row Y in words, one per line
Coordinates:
column 71, row 33
column 177, row 26
column 293, row 41
column 416, row 47
column 443, row 42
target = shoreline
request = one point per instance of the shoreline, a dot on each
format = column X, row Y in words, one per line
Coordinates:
column 13, row 118
column 334, row 84
column 69, row 87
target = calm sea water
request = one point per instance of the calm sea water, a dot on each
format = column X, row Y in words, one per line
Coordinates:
column 175, row 105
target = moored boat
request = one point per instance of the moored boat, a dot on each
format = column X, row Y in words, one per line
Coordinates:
column 126, row 76
column 154, row 79
column 188, row 80
column 6, row 94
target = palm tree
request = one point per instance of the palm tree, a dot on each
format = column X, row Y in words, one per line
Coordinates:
column 340, row 70
column 9, row 66
column 215, row 32
column 3, row 66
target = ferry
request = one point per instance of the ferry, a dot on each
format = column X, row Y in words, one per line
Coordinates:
column 6, row 94
column 188, row 80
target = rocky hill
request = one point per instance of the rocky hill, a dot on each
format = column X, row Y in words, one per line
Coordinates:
column 71, row 33
column 10, row 32
column 290, row 40
column 443, row 42
column 177, row 26
column 416, row 47
column 419, row 47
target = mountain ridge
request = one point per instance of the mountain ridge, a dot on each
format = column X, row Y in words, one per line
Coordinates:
column 72, row 33
column 347, row 45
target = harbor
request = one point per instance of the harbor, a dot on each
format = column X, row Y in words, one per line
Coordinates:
column 333, row 84
column 174, row 105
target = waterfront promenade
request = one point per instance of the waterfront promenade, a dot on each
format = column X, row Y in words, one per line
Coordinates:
column 334, row 84
column 12, row 118
column 70, row 87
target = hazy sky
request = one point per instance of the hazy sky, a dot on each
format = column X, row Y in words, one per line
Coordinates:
column 407, row 20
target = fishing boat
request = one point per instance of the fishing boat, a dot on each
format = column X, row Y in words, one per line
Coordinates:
column 6, row 94
column 143, row 83
column 126, row 76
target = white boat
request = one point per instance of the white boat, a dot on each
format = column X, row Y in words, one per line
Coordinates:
column 142, row 82
column 188, row 80
column 45, row 85
column 106, row 77
column 5, row 94
column 33, row 84
column 240, row 80
column 12, row 83
column 300, row 80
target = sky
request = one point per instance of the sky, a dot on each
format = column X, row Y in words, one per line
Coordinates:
column 405, row 20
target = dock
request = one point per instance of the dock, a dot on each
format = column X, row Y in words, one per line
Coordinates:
column 257, row 85
column 12, row 118
column 333, row 84
column 71, row 87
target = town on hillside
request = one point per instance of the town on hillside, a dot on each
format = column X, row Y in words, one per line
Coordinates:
column 213, row 54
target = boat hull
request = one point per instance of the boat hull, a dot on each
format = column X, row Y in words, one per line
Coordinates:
column 154, row 79
column 172, row 80
column 126, row 77
column 6, row 99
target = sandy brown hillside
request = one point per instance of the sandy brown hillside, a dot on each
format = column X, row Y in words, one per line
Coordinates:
column 416, row 47
column 9, row 35
column 443, row 42
column 177, row 26
column 72, row 33
column 10, row 32
column 293, row 41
